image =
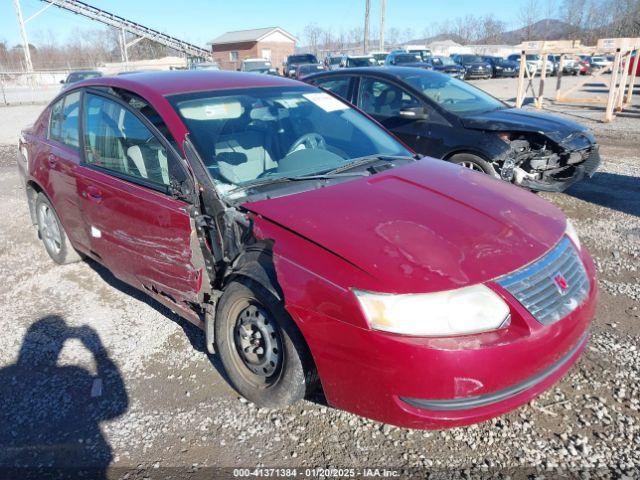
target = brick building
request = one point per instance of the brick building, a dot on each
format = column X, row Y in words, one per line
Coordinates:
column 273, row 44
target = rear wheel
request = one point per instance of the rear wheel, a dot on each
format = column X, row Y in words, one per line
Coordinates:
column 52, row 234
column 473, row 162
column 262, row 351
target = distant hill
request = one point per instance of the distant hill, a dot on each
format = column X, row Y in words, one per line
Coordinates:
column 547, row 29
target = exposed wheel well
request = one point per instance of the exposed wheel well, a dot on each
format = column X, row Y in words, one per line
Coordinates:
column 256, row 265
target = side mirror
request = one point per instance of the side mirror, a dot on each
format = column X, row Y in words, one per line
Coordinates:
column 62, row 82
column 415, row 113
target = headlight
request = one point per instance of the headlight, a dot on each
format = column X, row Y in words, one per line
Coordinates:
column 572, row 234
column 462, row 311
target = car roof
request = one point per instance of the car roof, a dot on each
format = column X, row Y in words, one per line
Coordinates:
column 185, row 81
column 393, row 73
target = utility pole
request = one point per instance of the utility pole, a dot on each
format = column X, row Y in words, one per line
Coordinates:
column 123, row 48
column 383, row 6
column 367, row 7
column 25, row 41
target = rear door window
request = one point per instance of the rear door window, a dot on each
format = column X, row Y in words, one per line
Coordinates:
column 63, row 124
column 384, row 99
column 337, row 85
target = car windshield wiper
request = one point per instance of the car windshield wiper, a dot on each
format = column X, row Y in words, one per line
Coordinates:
column 302, row 178
column 358, row 162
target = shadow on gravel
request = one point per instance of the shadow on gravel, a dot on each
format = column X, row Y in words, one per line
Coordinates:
column 193, row 333
column 49, row 414
column 610, row 190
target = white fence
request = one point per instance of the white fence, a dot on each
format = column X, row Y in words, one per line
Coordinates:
column 18, row 88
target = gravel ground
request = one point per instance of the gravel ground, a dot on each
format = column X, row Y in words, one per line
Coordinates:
column 136, row 392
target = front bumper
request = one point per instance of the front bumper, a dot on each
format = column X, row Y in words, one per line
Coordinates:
column 506, row 393
column 477, row 74
column 554, row 181
column 476, row 377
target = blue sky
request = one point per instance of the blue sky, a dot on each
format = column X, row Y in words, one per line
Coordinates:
column 199, row 21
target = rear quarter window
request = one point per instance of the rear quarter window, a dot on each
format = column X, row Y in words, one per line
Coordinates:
column 64, row 120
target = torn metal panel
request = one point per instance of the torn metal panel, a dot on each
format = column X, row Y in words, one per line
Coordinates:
column 536, row 161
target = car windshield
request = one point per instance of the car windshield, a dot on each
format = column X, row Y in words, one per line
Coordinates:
column 303, row 59
column 256, row 65
column 451, row 94
column 380, row 56
column 79, row 76
column 534, row 58
column 335, row 60
column 472, row 59
column 245, row 136
column 407, row 58
column 446, row 61
column 309, row 68
column 360, row 62
column 423, row 54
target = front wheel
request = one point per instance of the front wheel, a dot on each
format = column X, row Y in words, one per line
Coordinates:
column 262, row 351
column 473, row 162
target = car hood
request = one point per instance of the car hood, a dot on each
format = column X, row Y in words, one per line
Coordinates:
column 450, row 68
column 414, row 64
column 476, row 64
column 515, row 119
column 427, row 226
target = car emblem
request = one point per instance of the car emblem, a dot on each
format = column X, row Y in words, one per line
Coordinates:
column 561, row 283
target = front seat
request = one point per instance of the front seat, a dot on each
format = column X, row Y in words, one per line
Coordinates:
column 242, row 155
column 389, row 101
column 151, row 162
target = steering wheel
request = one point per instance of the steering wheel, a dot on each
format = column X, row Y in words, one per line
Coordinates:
column 309, row 140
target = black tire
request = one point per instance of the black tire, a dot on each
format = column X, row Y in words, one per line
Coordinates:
column 247, row 303
column 52, row 234
column 473, row 162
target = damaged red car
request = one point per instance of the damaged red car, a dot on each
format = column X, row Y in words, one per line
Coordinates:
column 314, row 249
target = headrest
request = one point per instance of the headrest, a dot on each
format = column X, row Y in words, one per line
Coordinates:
column 231, row 158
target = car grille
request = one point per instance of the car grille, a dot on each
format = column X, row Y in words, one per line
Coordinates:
column 539, row 286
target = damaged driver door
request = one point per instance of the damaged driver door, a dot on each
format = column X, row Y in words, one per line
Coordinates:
column 130, row 191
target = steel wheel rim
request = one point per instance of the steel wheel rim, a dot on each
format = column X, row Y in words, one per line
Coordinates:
column 49, row 229
column 471, row 166
column 258, row 342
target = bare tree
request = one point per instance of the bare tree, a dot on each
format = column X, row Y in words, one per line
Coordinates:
column 491, row 30
column 529, row 15
column 393, row 36
column 312, row 34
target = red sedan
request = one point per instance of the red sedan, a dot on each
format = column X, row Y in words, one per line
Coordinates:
column 311, row 246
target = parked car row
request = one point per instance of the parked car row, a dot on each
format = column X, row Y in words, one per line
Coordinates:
column 314, row 242
column 458, row 66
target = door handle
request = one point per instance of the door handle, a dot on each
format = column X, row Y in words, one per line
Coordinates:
column 52, row 159
column 93, row 193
